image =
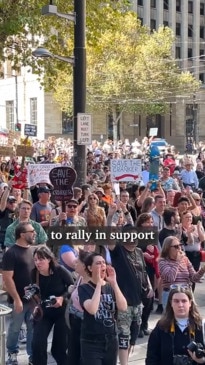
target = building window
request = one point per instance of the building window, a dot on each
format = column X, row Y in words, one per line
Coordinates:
column 178, row 53
column 178, row 29
column 140, row 2
column 153, row 24
column 166, row 24
column 190, row 7
column 67, row 123
column 10, row 114
column 202, row 32
column 201, row 52
column 33, row 111
column 190, row 30
column 166, row 4
column 190, row 53
column 202, row 9
column 141, row 19
column 178, row 5
column 153, row 3
column 202, row 77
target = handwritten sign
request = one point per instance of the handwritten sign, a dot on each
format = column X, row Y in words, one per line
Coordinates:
column 125, row 169
column 24, row 151
column 84, row 130
column 30, row 130
column 39, row 173
column 6, row 151
column 62, row 179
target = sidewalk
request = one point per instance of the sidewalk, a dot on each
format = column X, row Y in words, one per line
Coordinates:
column 138, row 356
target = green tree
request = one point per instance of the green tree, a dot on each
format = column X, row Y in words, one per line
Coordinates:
column 129, row 69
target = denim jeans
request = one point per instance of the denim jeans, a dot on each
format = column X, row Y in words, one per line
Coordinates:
column 15, row 324
column 99, row 351
column 165, row 295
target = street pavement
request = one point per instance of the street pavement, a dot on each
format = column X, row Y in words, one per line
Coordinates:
column 138, row 356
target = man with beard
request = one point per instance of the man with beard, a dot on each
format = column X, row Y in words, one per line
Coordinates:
column 171, row 219
column 17, row 266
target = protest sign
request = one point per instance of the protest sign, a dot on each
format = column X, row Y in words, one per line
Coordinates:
column 6, row 151
column 30, row 130
column 125, row 169
column 39, row 173
column 62, row 178
column 24, row 151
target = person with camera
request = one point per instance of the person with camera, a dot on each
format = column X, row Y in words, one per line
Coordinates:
column 17, row 266
column 177, row 338
column 53, row 281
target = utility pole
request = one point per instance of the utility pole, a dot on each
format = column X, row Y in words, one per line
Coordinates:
column 79, row 87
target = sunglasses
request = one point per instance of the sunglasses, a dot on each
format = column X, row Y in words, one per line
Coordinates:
column 29, row 231
column 71, row 206
column 180, row 286
column 177, row 246
column 92, row 198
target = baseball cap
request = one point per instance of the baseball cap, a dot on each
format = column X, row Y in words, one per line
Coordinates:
column 43, row 189
column 72, row 201
column 11, row 199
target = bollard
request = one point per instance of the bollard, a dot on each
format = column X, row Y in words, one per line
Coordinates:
column 4, row 311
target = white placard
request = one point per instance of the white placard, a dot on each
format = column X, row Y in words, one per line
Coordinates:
column 125, row 169
column 40, row 173
column 84, row 123
column 153, row 132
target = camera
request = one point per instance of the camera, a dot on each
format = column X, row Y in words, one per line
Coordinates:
column 50, row 301
column 30, row 291
column 182, row 360
column 198, row 348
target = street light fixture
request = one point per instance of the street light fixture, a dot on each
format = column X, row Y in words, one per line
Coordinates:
column 42, row 52
column 79, row 76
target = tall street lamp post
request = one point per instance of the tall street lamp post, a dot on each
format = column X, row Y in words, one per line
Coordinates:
column 79, row 76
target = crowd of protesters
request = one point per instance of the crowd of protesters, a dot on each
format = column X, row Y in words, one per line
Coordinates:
column 102, row 295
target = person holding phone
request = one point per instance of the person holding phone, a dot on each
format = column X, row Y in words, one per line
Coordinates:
column 100, row 298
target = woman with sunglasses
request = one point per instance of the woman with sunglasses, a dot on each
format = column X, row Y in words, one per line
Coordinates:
column 94, row 215
column 175, row 267
column 53, row 280
column 180, row 324
column 100, row 299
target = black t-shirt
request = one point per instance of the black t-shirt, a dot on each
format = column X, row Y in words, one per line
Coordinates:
column 19, row 260
column 6, row 218
column 103, row 322
column 55, row 284
column 164, row 233
column 129, row 280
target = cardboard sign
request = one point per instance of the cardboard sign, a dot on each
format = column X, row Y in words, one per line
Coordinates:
column 62, row 179
column 6, row 151
column 24, row 151
column 125, row 169
column 40, row 173
column 30, row 130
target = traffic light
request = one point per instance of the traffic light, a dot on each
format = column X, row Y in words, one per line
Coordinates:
column 18, row 127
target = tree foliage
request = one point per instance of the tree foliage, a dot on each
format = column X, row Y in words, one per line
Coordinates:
column 129, row 68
